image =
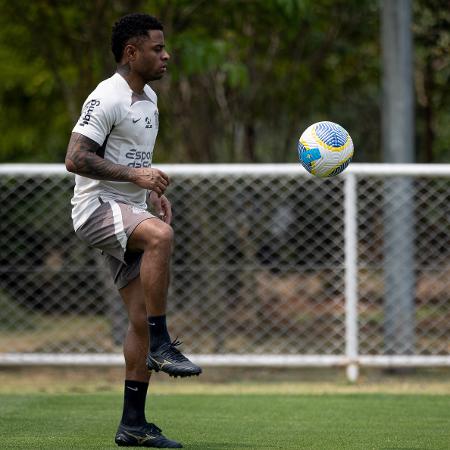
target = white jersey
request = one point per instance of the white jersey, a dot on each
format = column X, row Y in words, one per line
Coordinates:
column 125, row 126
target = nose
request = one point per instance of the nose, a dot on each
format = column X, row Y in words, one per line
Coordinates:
column 166, row 56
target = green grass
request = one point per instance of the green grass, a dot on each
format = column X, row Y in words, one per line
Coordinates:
column 233, row 422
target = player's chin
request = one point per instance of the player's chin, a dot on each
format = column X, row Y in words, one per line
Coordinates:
column 155, row 76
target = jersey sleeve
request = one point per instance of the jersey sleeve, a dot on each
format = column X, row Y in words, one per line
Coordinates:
column 97, row 118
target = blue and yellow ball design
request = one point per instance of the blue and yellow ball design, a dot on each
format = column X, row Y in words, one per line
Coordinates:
column 325, row 149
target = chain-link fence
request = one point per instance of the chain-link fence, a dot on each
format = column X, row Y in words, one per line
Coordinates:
column 259, row 265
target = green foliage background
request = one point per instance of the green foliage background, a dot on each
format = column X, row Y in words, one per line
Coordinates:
column 246, row 76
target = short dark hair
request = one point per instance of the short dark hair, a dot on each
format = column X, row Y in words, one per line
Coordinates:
column 130, row 26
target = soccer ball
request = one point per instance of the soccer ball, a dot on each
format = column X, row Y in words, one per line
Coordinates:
column 325, row 149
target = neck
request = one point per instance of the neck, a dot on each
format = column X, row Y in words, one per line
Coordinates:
column 135, row 82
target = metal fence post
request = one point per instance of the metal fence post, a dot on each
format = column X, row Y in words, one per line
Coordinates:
column 351, row 274
column 398, row 147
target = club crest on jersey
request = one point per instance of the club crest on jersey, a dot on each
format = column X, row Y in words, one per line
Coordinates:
column 87, row 111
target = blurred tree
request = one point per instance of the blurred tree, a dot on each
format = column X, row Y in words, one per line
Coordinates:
column 52, row 54
column 246, row 76
column 432, row 73
column 267, row 71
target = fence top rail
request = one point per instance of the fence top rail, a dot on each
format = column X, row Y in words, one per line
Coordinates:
column 385, row 169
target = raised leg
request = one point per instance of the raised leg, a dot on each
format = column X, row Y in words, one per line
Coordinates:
column 155, row 239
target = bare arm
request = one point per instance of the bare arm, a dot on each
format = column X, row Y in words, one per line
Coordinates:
column 81, row 158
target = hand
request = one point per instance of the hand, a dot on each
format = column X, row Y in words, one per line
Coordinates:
column 161, row 206
column 152, row 179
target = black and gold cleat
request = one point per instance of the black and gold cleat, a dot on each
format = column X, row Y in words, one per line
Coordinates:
column 167, row 358
column 148, row 435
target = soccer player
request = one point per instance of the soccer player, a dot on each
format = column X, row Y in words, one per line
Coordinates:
column 110, row 151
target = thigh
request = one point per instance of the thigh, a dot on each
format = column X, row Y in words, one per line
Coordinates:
column 149, row 232
column 109, row 227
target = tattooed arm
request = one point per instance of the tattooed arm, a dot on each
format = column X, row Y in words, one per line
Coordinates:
column 81, row 158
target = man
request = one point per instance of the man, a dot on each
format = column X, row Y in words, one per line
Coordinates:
column 110, row 151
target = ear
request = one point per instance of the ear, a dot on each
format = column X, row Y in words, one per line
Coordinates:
column 129, row 53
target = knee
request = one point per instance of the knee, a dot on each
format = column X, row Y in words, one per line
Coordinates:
column 161, row 237
column 138, row 324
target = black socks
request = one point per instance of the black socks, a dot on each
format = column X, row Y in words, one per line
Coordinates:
column 134, row 397
column 158, row 331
